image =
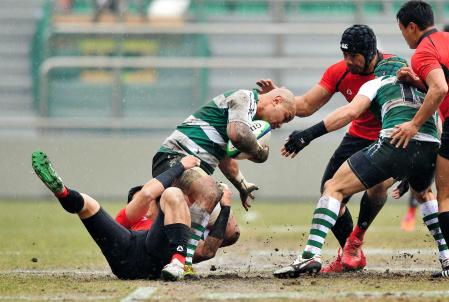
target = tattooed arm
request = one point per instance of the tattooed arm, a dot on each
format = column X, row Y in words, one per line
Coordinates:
column 241, row 106
column 244, row 140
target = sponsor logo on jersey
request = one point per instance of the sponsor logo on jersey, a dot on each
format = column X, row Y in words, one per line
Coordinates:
column 349, row 92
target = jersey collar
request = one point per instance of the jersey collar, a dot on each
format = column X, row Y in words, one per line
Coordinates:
column 426, row 34
column 256, row 95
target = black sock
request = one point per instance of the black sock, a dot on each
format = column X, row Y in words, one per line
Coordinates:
column 343, row 227
column 178, row 235
column 72, row 202
column 443, row 219
column 369, row 208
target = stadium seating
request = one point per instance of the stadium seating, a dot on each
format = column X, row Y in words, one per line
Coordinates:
column 163, row 92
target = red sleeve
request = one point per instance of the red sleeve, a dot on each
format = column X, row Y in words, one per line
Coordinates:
column 332, row 75
column 424, row 61
column 122, row 219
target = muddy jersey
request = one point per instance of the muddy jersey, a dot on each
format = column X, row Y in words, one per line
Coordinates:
column 395, row 103
column 337, row 78
column 432, row 53
column 204, row 133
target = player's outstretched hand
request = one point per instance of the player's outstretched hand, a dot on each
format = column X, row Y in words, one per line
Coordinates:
column 246, row 194
column 226, row 199
column 297, row 141
column 266, row 85
column 190, row 161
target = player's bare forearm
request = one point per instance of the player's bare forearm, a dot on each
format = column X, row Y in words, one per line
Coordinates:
column 230, row 169
column 207, row 249
column 140, row 204
column 311, row 101
column 344, row 115
column 244, row 140
column 428, row 108
column 438, row 89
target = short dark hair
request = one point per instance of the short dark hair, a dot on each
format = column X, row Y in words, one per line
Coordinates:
column 133, row 191
column 446, row 28
column 418, row 12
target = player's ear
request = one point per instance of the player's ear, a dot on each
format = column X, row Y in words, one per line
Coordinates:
column 277, row 100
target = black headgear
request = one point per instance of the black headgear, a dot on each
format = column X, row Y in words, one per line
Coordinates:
column 360, row 39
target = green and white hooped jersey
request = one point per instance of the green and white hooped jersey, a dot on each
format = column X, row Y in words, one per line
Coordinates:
column 204, row 133
column 395, row 103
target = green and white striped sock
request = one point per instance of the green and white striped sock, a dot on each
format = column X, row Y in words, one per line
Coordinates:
column 324, row 218
column 429, row 211
column 199, row 218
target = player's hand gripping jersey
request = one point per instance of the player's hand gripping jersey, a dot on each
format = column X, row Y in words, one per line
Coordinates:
column 204, row 133
column 395, row 103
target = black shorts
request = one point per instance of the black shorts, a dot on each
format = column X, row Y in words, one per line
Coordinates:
column 163, row 161
column 383, row 160
column 348, row 146
column 444, row 148
column 130, row 254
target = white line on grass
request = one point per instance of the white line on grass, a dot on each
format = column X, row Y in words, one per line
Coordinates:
column 57, row 298
column 59, row 272
column 315, row 295
column 140, row 294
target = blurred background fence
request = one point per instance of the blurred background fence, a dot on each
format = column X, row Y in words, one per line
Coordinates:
column 100, row 83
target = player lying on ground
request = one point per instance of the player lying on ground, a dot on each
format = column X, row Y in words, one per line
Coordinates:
column 394, row 103
column 205, row 135
column 222, row 229
column 132, row 254
column 360, row 57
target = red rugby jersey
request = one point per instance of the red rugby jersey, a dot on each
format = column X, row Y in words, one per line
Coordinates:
column 337, row 78
column 141, row 225
column 431, row 53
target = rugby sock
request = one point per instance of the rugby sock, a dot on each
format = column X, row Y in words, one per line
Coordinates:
column 200, row 218
column 443, row 218
column 178, row 235
column 343, row 227
column 324, row 217
column 71, row 200
column 358, row 233
column 369, row 208
column 429, row 211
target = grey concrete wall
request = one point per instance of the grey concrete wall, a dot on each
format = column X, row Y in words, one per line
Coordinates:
column 105, row 166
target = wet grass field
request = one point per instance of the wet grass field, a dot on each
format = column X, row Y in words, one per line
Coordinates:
column 46, row 255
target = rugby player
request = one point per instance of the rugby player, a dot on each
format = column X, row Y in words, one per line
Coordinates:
column 394, row 103
column 222, row 229
column 360, row 57
column 205, row 134
column 149, row 254
column 430, row 62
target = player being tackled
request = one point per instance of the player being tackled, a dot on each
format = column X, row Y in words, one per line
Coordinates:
column 159, row 252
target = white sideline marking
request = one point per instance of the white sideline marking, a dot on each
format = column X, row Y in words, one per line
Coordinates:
column 60, row 298
column 140, row 294
column 307, row 296
column 59, row 272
